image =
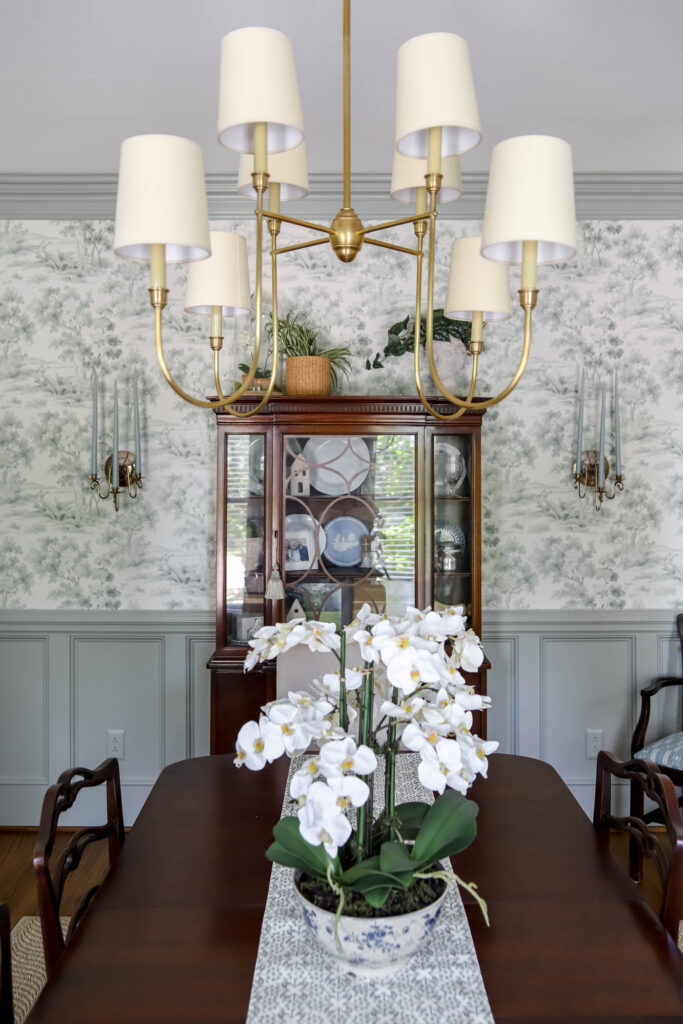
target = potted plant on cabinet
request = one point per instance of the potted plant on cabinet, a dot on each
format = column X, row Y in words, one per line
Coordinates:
column 309, row 369
column 352, row 864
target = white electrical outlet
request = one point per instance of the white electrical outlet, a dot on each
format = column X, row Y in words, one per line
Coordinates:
column 116, row 743
column 595, row 742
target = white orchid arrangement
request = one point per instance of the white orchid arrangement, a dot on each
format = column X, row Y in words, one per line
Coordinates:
column 409, row 690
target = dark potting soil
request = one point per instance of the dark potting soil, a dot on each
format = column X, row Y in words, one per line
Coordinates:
column 419, row 894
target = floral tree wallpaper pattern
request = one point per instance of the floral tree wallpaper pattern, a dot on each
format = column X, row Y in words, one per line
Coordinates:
column 68, row 305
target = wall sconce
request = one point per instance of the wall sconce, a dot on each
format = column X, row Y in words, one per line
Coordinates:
column 591, row 468
column 129, row 464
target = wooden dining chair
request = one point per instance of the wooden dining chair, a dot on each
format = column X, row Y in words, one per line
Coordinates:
column 6, row 1006
column 667, row 856
column 51, row 878
column 667, row 752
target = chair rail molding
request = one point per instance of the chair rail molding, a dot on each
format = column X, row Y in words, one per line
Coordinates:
column 599, row 196
column 68, row 676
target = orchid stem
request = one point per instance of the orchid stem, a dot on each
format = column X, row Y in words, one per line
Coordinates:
column 390, row 766
column 343, row 718
column 365, row 832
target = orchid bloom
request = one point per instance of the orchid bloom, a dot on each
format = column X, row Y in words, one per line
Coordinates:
column 441, row 766
column 302, row 780
column 320, row 636
column 468, row 650
column 321, row 819
column 415, row 737
column 350, row 790
column 409, row 667
column 295, row 738
column 340, row 756
column 309, row 706
column 258, row 743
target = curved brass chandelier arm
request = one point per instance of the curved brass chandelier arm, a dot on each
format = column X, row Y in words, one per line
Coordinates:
column 274, row 231
column 158, row 300
column 527, row 299
column 448, row 417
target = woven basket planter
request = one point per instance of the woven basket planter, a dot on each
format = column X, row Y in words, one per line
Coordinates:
column 308, row 375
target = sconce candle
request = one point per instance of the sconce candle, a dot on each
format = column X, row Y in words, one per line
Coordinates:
column 617, row 431
column 580, row 433
column 136, row 424
column 115, row 452
column 601, row 446
column 93, row 455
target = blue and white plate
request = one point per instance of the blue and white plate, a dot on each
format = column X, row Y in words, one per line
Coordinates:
column 343, row 540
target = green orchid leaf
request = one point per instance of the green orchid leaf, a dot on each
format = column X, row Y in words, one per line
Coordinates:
column 448, row 827
column 286, row 832
column 377, row 897
column 395, row 857
column 411, row 816
column 277, row 853
column 368, row 874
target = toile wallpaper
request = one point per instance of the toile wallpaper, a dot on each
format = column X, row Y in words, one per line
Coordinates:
column 68, row 305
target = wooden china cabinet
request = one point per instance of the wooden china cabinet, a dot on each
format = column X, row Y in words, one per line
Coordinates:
column 360, row 499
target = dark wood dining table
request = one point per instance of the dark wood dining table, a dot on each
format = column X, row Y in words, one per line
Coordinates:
column 173, row 934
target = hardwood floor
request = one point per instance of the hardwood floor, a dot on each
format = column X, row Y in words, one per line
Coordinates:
column 17, row 885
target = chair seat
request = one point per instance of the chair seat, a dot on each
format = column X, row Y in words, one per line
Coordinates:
column 667, row 752
column 28, row 964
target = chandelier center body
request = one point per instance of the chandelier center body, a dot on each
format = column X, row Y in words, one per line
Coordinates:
column 346, row 234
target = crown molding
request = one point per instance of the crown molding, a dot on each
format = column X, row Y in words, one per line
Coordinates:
column 599, row 196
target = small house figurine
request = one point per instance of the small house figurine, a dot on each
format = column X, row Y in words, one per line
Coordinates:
column 299, row 481
column 296, row 611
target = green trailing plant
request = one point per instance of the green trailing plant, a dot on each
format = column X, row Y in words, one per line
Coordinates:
column 296, row 337
column 402, row 336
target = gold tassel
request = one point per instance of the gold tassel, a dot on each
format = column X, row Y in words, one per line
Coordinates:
column 275, row 590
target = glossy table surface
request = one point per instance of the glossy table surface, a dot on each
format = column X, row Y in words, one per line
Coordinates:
column 173, row 934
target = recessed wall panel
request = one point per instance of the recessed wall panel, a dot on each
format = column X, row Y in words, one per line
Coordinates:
column 118, row 684
column 23, row 709
column 586, row 683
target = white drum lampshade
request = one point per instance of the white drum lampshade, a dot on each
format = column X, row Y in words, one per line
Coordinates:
column 258, row 83
column 288, row 168
column 222, row 280
column 161, row 199
column 434, row 88
column 408, row 174
column 476, row 285
column 530, row 198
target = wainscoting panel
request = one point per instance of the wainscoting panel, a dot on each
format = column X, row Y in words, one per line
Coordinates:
column 67, row 676
column 24, row 752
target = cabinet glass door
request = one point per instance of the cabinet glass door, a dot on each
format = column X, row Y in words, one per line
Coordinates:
column 349, row 526
column 244, row 536
column 452, row 538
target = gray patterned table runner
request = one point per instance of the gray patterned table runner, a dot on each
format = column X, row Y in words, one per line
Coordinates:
column 295, row 982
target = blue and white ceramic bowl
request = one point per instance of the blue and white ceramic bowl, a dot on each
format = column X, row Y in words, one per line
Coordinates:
column 375, row 947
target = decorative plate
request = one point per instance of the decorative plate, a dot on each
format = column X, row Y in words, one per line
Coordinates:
column 339, row 465
column 300, row 550
column 448, row 533
column 343, row 540
column 450, row 468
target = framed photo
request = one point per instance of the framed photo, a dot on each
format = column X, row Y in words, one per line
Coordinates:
column 300, row 550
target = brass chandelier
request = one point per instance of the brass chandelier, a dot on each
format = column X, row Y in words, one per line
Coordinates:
column 529, row 218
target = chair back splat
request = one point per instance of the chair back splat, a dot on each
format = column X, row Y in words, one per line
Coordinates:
column 6, row 1010
column 51, row 876
column 667, row 857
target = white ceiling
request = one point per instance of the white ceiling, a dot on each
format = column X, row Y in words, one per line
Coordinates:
column 78, row 76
